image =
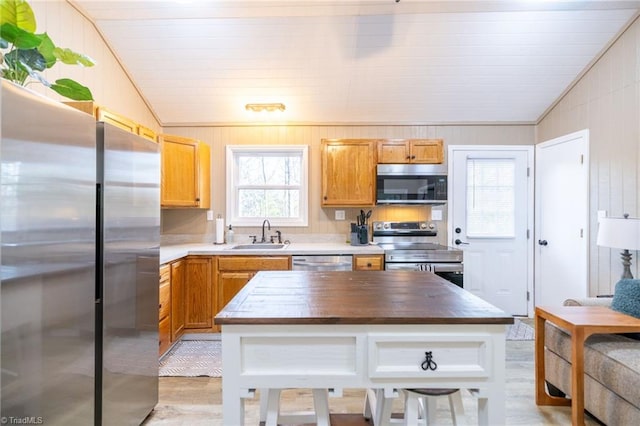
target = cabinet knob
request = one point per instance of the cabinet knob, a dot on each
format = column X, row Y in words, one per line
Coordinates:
column 369, row 265
column 408, row 157
column 197, row 199
column 325, row 197
column 160, row 306
column 413, row 157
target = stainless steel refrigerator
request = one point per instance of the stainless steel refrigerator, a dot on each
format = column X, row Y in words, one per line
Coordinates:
column 79, row 243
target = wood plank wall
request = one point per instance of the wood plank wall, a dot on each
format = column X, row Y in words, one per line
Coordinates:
column 110, row 85
column 192, row 225
column 607, row 102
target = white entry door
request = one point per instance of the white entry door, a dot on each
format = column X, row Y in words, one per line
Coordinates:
column 562, row 240
column 491, row 211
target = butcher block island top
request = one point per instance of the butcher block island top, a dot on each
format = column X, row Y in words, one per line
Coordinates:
column 356, row 297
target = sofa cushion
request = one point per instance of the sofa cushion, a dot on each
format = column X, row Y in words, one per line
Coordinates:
column 626, row 298
column 611, row 359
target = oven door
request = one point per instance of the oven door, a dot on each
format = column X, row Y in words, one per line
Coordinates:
column 452, row 271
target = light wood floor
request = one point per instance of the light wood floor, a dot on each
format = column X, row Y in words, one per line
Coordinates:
column 198, row 401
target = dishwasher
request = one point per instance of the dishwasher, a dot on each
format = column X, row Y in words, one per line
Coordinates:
column 322, row 263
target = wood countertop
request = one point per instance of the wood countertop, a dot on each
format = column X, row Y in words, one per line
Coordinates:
column 356, row 297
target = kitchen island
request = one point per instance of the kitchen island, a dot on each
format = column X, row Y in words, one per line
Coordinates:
column 361, row 329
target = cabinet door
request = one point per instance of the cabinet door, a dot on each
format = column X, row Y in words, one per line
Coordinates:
column 164, row 334
column 179, row 183
column 198, row 293
column 178, row 272
column 393, row 152
column 103, row 114
column 229, row 284
column 427, row 151
column 147, row 133
column 349, row 172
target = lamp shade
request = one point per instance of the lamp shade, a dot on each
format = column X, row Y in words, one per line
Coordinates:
column 619, row 232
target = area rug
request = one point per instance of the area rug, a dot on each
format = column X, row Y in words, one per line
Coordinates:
column 193, row 358
column 519, row 330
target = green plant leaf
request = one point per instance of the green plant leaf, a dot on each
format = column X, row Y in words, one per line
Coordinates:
column 18, row 13
column 70, row 57
column 46, row 48
column 18, row 37
column 27, row 59
column 72, row 90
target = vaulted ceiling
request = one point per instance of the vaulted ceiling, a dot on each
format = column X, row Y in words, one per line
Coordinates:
column 379, row 61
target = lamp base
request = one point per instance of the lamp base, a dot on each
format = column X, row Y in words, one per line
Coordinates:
column 626, row 264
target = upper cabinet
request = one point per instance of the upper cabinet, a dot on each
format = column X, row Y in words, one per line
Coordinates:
column 108, row 116
column 416, row 151
column 186, row 165
column 349, row 172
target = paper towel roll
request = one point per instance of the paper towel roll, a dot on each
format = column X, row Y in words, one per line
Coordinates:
column 219, row 230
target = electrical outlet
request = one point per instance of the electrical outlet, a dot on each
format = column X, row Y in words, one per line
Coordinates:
column 436, row 214
column 339, row 214
column 210, row 215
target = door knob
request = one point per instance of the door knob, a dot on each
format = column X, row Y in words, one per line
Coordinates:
column 458, row 241
column 542, row 242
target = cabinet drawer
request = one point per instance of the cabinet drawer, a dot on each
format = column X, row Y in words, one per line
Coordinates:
column 248, row 263
column 164, row 328
column 393, row 356
column 368, row 263
column 165, row 300
column 165, row 273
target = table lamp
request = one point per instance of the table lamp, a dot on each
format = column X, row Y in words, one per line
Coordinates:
column 622, row 233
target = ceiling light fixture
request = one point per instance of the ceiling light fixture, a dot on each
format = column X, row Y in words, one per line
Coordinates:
column 265, row 107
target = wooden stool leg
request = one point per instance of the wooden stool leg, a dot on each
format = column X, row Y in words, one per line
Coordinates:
column 263, row 404
column 321, row 404
column 273, row 407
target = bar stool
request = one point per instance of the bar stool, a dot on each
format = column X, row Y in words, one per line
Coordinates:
column 419, row 406
column 270, row 409
column 425, row 400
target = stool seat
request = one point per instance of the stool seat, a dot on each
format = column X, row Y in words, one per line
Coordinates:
column 419, row 406
column 433, row 391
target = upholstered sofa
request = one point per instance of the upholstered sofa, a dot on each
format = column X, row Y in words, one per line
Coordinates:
column 612, row 371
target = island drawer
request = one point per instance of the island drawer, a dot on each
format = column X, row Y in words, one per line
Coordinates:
column 430, row 355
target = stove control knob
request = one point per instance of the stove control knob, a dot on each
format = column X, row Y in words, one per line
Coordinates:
column 378, row 226
column 423, row 225
column 432, row 226
column 386, row 226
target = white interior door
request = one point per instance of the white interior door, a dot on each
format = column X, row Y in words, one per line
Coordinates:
column 562, row 206
column 491, row 211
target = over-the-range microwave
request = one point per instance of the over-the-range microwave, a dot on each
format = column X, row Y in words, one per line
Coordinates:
column 411, row 184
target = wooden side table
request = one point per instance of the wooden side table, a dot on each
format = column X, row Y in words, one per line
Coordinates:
column 581, row 322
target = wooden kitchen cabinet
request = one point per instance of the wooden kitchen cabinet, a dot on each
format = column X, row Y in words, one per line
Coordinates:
column 147, row 133
column 411, row 151
column 349, row 172
column 178, row 272
column 368, row 262
column 118, row 120
column 233, row 272
column 185, row 173
column 198, row 293
column 164, row 309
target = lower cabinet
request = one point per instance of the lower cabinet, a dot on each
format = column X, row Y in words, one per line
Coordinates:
column 233, row 272
column 164, row 309
column 178, row 270
column 198, row 293
column 368, row 262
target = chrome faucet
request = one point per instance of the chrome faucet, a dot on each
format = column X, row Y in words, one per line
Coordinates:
column 264, row 239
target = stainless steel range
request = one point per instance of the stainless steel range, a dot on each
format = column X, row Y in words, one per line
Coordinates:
column 412, row 246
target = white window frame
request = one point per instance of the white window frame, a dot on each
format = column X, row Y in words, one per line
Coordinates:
column 232, row 183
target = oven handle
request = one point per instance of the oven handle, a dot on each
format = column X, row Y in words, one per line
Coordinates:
column 447, row 267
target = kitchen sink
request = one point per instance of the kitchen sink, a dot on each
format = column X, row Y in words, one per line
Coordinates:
column 258, row 246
